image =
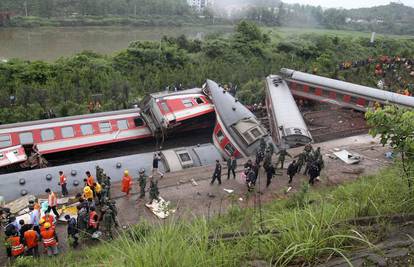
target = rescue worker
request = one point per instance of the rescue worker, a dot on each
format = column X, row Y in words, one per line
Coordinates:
column 31, row 241
column 99, row 172
column 50, row 240
column 282, row 156
column 313, row 173
column 301, row 159
column 15, row 245
column 63, row 183
column 251, row 180
column 98, row 192
column 24, row 227
column 72, row 229
column 142, row 180
column 49, row 218
column 259, row 156
column 231, row 167
column 90, row 180
column 87, row 192
column 52, row 202
column 248, row 164
column 292, row 170
column 155, row 165
column 82, row 220
column 217, row 173
column 154, row 193
column 270, row 172
column 108, row 222
column 126, row 183
column 267, row 159
column 93, row 220
column 34, row 218
column 112, row 206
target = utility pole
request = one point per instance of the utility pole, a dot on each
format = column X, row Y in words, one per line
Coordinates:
column 25, row 8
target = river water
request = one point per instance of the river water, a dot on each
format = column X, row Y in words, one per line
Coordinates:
column 50, row 43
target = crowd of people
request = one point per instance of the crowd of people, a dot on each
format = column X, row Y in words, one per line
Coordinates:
column 395, row 73
column 310, row 159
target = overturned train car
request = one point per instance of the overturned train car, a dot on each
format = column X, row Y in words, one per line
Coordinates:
column 287, row 127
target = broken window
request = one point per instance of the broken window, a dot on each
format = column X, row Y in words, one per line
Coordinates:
column 220, row 136
column 199, row 100
column 139, row 122
column 185, row 157
column 230, row 149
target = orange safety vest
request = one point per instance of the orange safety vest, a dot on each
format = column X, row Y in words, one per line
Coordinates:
column 30, row 238
column 89, row 181
column 52, row 200
column 126, row 183
column 62, row 179
column 17, row 248
column 48, row 236
column 92, row 222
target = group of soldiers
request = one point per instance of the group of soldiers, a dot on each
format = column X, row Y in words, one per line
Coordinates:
column 310, row 159
column 142, row 182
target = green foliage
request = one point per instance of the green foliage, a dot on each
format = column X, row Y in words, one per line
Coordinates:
column 395, row 126
column 28, row 90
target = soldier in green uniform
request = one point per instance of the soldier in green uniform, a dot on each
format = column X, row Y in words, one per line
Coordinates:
column 114, row 209
column 99, row 172
column 301, row 160
column 142, row 180
column 108, row 221
column 282, row 156
column 154, row 193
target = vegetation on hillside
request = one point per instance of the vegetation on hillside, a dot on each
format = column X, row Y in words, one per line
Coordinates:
column 28, row 90
column 312, row 226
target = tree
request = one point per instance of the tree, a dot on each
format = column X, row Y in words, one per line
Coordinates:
column 395, row 126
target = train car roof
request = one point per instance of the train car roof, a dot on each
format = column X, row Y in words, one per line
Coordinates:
column 69, row 118
column 346, row 87
column 182, row 92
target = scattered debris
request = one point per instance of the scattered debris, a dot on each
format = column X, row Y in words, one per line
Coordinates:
column 210, row 195
column 229, row 190
column 389, row 155
column 240, row 199
column 193, row 182
column 19, row 204
column 160, row 208
column 288, row 189
column 348, row 157
column 97, row 235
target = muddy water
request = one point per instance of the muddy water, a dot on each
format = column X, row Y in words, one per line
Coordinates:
column 50, row 43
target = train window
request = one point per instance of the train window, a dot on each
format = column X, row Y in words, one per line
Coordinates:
column 256, row 133
column 165, row 107
column 47, row 135
column 105, row 127
column 199, row 100
column 26, row 138
column 187, row 103
column 139, row 122
column 230, row 149
column 1, row 156
column 86, row 129
column 220, row 136
column 184, row 157
column 248, row 137
column 354, row 99
column 67, row 132
column 5, row 141
column 122, row 124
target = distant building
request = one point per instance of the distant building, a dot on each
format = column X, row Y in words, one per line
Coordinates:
column 199, row 5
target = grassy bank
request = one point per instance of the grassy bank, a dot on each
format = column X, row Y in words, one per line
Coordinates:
column 307, row 224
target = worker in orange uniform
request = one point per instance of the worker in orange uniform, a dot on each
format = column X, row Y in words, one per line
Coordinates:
column 63, row 182
column 15, row 245
column 90, row 181
column 52, row 202
column 49, row 218
column 31, row 240
column 50, row 240
column 126, row 183
column 93, row 220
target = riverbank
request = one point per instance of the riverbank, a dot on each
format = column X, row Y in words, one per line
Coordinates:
column 79, row 21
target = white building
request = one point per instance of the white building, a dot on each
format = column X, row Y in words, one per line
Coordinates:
column 199, row 5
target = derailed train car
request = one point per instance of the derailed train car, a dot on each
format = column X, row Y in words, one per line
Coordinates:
column 237, row 132
column 287, row 127
column 35, row 182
